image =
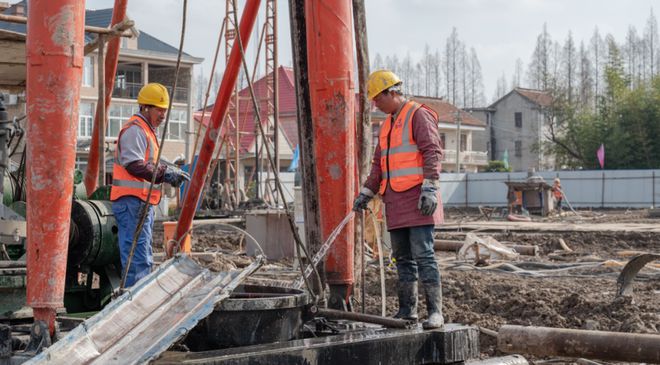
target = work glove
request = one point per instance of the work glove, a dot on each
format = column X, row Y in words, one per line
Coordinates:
column 428, row 199
column 175, row 176
column 360, row 203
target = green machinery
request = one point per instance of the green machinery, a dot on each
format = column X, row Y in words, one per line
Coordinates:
column 93, row 264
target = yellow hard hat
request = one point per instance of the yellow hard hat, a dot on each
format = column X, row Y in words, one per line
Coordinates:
column 380, row 81
column 154, row 94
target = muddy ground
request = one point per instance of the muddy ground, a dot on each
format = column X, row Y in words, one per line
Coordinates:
column 582, row 298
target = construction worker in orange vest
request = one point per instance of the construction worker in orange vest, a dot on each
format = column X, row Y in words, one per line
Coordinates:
column 558, row 194
column 133, row 169
column 406, row 171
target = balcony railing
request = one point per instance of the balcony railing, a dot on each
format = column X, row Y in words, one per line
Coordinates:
column 467, row 157
column 128, row 90
column 180, row 94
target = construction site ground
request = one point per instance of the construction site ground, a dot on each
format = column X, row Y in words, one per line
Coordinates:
column 488, row 296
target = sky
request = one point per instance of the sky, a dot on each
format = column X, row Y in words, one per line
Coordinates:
column 501, row 31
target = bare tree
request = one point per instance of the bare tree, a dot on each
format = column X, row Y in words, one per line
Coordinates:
column 378, row 62
column 452, row 49
column 501, row 89
column 631, row 51
column 200, row 85
column 516, row 80
column 555, row 65
column 585, row 76
column 597, row 50
column 651, row 41
column 476, row 80
column 427, row 70
column 217, row 79
column 437, row 82
column 392, row 64
column 406, row 74
column 569, row 66
column 539, row 70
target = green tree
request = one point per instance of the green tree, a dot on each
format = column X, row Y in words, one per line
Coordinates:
column 497, row 166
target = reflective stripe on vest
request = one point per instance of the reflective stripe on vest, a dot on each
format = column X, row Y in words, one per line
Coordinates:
column 401, row 162
column 134, row 184
column 125, row 184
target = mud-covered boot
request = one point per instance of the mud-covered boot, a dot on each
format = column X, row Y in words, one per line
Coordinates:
column 433, row 306
column 407, row 293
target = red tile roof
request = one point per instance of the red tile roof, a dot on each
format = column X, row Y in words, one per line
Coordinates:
column 542, row 98
column 447, row 111
column 246, row 122
column 288, row 119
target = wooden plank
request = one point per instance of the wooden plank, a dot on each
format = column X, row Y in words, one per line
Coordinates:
column 12, row 52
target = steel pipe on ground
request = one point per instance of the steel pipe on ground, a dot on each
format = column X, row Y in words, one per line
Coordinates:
column 611, row 346
column 455, row 245
column 360, row 317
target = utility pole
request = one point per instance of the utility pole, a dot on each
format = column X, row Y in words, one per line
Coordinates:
column 458, row 141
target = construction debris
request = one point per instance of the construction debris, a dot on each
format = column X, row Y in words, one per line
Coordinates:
column 455, row 245
column 148, row 318
column 483, row 249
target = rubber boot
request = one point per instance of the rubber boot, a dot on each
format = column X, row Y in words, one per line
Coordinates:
column 433, row 306
column 407, row 293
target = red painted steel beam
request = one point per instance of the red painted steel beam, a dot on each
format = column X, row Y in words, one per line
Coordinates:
column 330, row 60
column 112, row 55
column 54, row 71
column 196, row 184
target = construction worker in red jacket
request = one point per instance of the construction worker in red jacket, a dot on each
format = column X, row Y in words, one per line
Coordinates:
column 406, row 171
column 132, row 172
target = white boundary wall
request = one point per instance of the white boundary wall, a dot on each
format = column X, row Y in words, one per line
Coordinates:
column 594, row 188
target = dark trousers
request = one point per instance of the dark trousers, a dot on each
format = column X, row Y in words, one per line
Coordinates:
column 415, row 257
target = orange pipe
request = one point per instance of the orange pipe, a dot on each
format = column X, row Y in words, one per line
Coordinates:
column 112, row 55
column 54, row 70
column 214, row 129
column 330, row 60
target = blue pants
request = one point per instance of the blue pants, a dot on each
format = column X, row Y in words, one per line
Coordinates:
column 127, row 213
column 415, row 257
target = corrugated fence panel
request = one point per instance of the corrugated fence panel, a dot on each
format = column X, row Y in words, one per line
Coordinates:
column 608, row 188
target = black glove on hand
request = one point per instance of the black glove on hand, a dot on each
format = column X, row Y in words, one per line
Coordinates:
column 360, row 203
column 428, row 199
column 175, row 176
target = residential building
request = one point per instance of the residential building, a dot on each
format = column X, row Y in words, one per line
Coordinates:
column 473, row 158
column 142, row 59
column 518, row 123
column 245, row 118
column 481, row 139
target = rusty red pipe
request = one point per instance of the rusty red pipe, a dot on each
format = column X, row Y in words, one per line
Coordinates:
column 330, row 60
column 54, row 70
column 112, row 55
column 196, row 184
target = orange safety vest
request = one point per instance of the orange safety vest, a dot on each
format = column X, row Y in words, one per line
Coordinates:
column 123, row 183
column 556, row 189
column 401, row 162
